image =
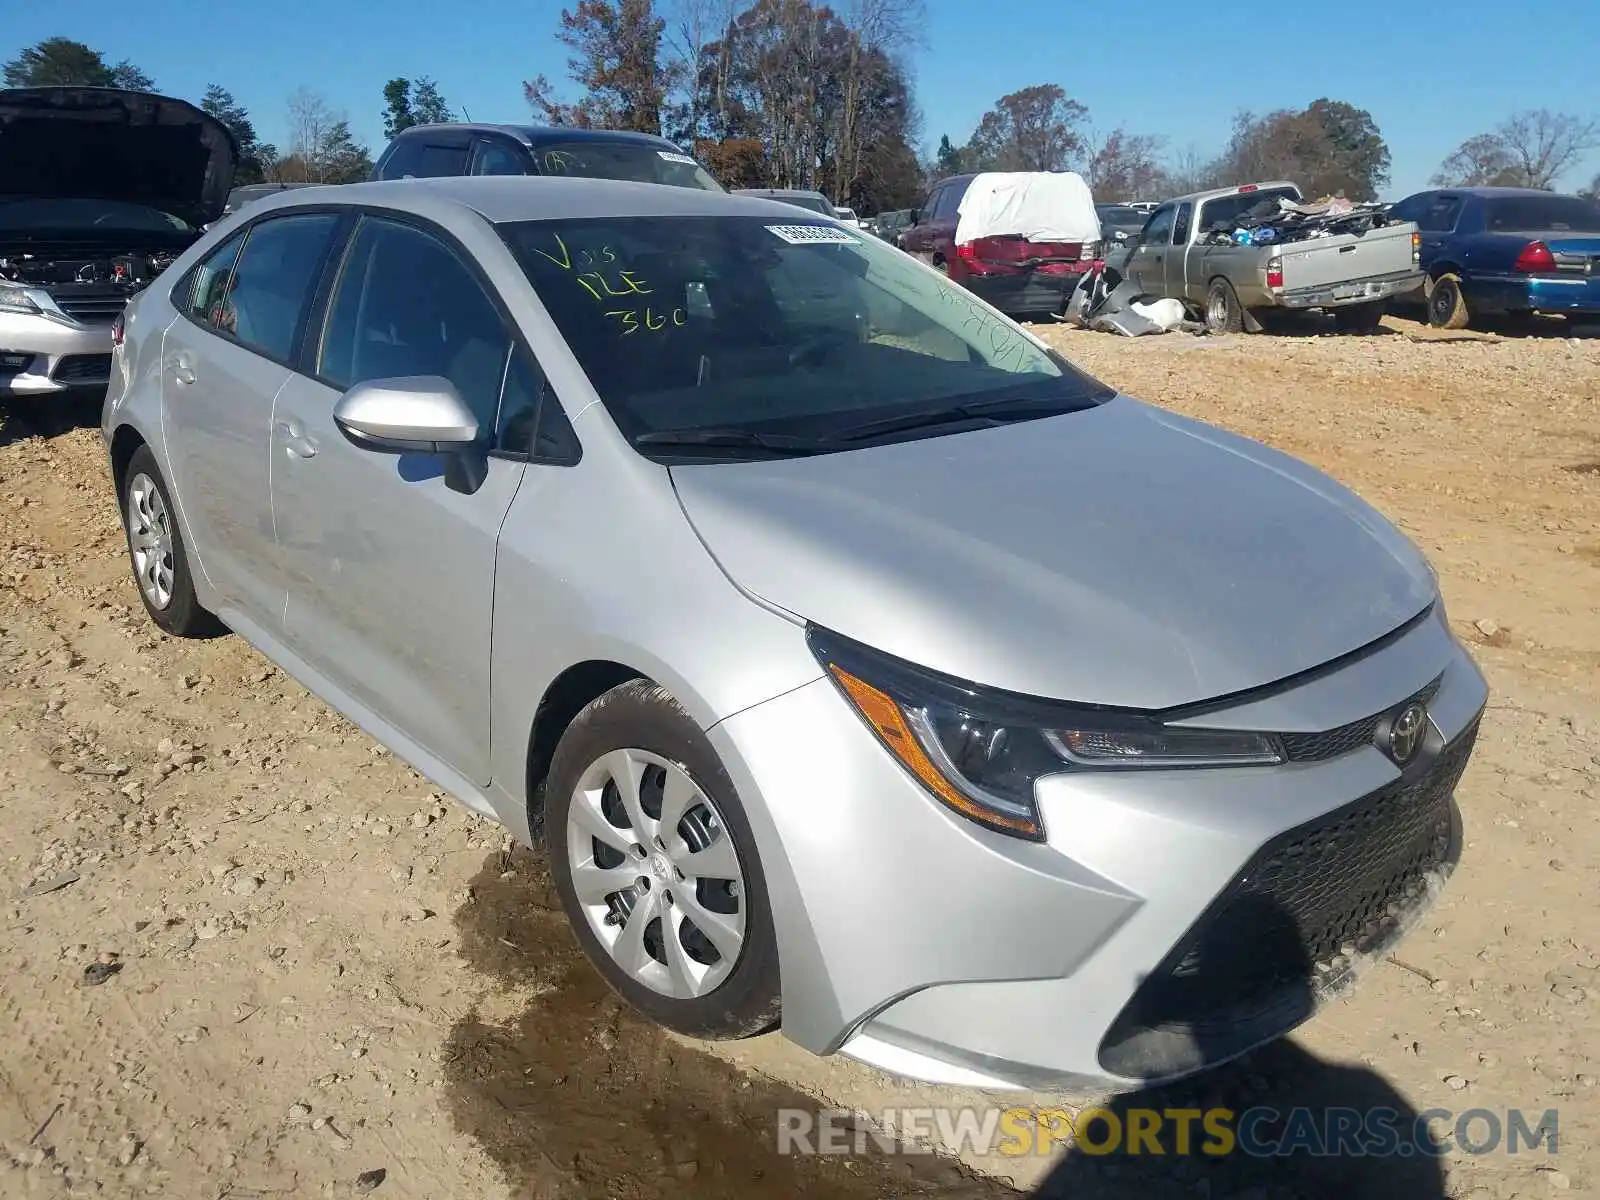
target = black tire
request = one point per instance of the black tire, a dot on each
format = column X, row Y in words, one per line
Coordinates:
column 1447, row 307
column 1360, row 318
column 1223, row 311
column 641, row 715
column 182, row 615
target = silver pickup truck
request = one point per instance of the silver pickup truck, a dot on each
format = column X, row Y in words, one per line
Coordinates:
column 1187, row 250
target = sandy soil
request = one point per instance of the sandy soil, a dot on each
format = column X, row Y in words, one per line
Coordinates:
column 275, row 962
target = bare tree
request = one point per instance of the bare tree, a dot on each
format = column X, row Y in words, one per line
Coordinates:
column 1545, row 144
column 881, row 32
column 1482, row 161
column 1123, row 165
column 1533, row 149
column 310, row 119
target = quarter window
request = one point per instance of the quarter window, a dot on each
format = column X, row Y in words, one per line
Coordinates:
column 406, row 305
column 208, row 282
column 266, row 297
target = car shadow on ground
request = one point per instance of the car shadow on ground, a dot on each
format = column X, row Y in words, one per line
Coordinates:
column 574, row 1095
column 49, row 417
column 577, row 1096
column 1288, row 1124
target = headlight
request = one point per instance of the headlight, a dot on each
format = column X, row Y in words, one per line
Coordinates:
column 981, row 752
column 17, row 299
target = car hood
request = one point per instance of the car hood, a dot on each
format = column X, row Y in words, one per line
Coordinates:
column 86, row 143
column 1121, row 555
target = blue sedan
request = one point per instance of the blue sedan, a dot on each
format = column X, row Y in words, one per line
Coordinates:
column 1506, row 251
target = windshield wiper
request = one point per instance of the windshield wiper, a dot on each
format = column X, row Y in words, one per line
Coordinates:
column 776, row 443
column 997, row 412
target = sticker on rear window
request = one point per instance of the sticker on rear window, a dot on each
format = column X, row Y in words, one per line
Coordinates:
column 803, row 235
column 674, row 156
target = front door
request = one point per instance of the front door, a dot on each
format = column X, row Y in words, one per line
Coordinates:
column 1147, row 264
column 223, row 362
column 391, row 573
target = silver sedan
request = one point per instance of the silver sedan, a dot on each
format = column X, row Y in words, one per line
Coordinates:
column 863, row 666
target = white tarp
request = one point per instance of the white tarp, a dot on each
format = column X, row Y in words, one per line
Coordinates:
column 1042, row 206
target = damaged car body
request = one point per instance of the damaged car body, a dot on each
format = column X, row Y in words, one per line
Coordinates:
column 100, row 189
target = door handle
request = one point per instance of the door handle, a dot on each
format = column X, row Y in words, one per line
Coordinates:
column 294, row 439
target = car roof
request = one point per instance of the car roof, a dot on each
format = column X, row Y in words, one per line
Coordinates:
column 505, row 198
column 1504, row 193
column 530, row 135
column 776, row 192
column 1215, row 193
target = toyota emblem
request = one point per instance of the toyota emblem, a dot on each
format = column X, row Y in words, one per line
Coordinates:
column 1405, row 732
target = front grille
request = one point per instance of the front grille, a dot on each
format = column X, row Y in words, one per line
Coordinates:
column 83, row 368
column 1315, row 747
column 92, row 310
column 1293, row 926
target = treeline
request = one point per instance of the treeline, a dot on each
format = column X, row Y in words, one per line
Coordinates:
column 791, row 93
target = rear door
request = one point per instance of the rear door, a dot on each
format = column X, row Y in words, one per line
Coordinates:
column 1175, row 266
column 223, row 363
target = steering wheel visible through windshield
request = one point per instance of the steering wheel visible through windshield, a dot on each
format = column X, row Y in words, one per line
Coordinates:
column 47, row 213
column 762, row 329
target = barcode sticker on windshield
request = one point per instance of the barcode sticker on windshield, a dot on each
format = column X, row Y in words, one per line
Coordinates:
column 674, row 156
column 804, row 235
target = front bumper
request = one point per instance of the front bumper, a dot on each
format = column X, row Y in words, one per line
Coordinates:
column 42, row 356
column 1171, row 921
column 1354, row 291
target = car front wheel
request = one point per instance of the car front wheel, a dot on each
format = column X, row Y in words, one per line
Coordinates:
column 657, row 868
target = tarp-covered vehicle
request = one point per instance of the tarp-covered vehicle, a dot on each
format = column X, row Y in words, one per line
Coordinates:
column 100, row 189
column 1019, row 239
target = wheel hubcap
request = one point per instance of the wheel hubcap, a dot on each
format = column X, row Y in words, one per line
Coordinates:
column 656, row 873
column 1217, row 311
column 150, row 538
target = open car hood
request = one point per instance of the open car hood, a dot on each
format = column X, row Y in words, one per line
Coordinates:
column 89, row 143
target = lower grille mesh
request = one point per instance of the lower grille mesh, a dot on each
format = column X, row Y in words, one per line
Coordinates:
column 1292, row 925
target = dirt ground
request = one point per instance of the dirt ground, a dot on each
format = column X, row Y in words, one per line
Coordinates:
column 246, row 954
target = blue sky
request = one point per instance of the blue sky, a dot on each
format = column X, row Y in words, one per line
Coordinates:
column 1431, row 73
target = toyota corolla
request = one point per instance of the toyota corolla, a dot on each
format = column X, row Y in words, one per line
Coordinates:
column 864, row 668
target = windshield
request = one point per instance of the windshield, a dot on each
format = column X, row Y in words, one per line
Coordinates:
column 746, row 325
column 40, row 213
column 1222, row 212
column 1552, row 214
column 640, row 162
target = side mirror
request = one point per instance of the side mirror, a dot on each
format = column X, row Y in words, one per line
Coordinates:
column 418, row 414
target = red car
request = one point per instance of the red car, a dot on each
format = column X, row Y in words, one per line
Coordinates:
column 1014, row 272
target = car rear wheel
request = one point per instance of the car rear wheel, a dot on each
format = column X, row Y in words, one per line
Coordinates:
column 1223, row 314
column 156, row 551
column 1447, row 307
column 657, row 869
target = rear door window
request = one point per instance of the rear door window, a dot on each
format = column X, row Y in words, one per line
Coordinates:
column 265, row 301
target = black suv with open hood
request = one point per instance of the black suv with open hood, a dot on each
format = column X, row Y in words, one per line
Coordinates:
column 100, row 189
